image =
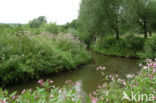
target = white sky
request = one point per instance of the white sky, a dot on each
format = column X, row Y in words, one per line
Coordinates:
column 22, row 11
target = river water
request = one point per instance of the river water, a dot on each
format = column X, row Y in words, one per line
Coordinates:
column 87, row 75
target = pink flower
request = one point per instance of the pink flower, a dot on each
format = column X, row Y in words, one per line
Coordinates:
column 50, row 81
column 94, row 93
column 40, row 82
column 124, row 83
column 3, row 101
column 101, row 68
column 116, row 75
column 94, row 100
column 129, row 76
column 151, row 76
column 23, row 91
column 14, row 97
column 51, row 96
column 107, row 93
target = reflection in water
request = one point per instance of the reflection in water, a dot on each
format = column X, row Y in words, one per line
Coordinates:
column 87, row 76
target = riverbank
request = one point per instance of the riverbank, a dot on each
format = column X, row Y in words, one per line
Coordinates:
column 144, row 83
column 130, row 46
column 86, row 75
column 27, row 57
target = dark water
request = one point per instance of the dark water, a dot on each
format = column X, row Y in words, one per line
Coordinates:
column 87, row 75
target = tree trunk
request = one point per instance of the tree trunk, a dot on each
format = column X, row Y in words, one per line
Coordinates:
column 150, row 32
column 117, row 33
column 145, row 29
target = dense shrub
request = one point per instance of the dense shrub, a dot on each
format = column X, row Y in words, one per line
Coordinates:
column 52, row 28
column 31, row 56
column 127, row 47
column 134, row 43
column 149, row 49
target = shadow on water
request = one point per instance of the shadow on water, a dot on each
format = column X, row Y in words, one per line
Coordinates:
column 87, row 75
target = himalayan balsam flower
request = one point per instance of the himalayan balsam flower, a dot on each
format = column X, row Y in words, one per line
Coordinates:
column 40, row 81
column 94, row 100
column 23, row 91
column 101, row 68
column 51, row 96
column 129, row 76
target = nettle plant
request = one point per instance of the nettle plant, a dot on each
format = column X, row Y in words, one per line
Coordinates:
column 137, row 88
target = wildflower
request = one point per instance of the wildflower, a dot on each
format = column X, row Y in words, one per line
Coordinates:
column 112, row 79
column 145, row 67
column 124, row 83
column 129, row 76
column 94, row 100
column 51, row 96
column 14, row 97
column 94, row 93
column 40, row 82
column 140, row 65
column 68, row 82
column 151, row 76
column 116, row 75
column 50, row 81
column 73, row 99
column 101, row 68
column 60, row 91
column 23, row 91
column 107, row 93
column 3, row 101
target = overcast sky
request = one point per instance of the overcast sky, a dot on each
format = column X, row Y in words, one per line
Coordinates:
column 22, row 11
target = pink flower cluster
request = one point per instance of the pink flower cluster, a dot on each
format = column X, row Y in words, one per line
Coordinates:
column 41, row 82
column 101, row 68
column 3, row 101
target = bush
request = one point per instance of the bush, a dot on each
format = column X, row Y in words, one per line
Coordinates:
column 52, row 28
column 32, row 56
column 134, row 43
column 127, row 47
column 149, row 49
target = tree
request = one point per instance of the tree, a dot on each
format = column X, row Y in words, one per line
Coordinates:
column 37, row 22
column 138, row 10
column 101, row 16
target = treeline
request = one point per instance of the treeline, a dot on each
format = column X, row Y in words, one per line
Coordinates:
column 106, row 17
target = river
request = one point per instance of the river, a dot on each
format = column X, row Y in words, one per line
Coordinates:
column 87, row 75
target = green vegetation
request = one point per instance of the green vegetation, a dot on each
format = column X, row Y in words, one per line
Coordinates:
column 27, row 56
column 129, row 46
column 143, row 84
column 124, row 28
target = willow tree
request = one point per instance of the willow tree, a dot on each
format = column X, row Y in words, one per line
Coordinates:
column 138, row 10
column 101, row 16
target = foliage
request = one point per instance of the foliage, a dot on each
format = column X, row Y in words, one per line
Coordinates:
column 26, row 56
column 143, row 83
column 149, row 49
column 127, row 47
column 52, row 28
column 36, row 23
